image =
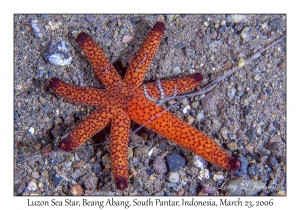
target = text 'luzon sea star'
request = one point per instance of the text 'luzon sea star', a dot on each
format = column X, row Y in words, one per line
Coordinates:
column 128, row 99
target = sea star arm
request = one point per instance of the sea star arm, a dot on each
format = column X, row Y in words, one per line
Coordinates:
column 83, row 95
column 103, row 69
column 135, row 74
column 119, row 148
column 167, row 125
column 171, row 87
column 86, row 129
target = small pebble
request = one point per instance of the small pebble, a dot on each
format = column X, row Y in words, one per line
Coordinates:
column 140, row 151
column 79, row 164
column 137, row 183
column 252, row 170
column 106, row 159
column 281, row 193
column 282, row 66
column 223, row 29
column 218, row 177
column 277, row 149
column 19, row 188
column 244, row 166
column 181, row 192
column 57, row 180
column 159, row 165
column 209, row 102
column 170, row 18
column 185, row 109
column 136, row 138
column 241, row 62
column 144, row 135
column 59, row 53
column 176, row 70
column 200, row 116
column 35, row 174
column 206, row 39
column 175, row 161
column 215, row 46
column 54, row 25
column 223, row 132
column 238, row 18
column 173, row 177
column 126, row 38
column 188, row 52
column 32, row 186
column 251, row 133
column 130, row 152
column 206, row 23
column 256, row 77
column 91, row 182
column 199, row 162
column 149, row 171
column 76, row 190
column 36, row 28
column 47, row 149
column 189, row 119
column 31, row 130
column 195, row 105
column 276, row 24
column 97, row 167
column 231, row 93
column 203, row 174
column 77, row 173
column 232, row 145
column 244, row 34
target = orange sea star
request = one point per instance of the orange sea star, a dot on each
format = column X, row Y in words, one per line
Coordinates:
column 126, row 99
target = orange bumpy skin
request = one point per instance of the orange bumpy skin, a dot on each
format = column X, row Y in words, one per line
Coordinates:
column 129, row 99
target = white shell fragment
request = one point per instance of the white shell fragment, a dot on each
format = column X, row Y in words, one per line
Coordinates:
column 59, row 53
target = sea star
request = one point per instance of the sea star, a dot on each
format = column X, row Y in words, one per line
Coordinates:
column 128, row 98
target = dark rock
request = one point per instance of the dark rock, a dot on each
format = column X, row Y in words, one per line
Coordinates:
column 163, row 146
column 57, row 180
column 97, row 167
column 223, row 29
column 175, row 161
column 149, row 171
